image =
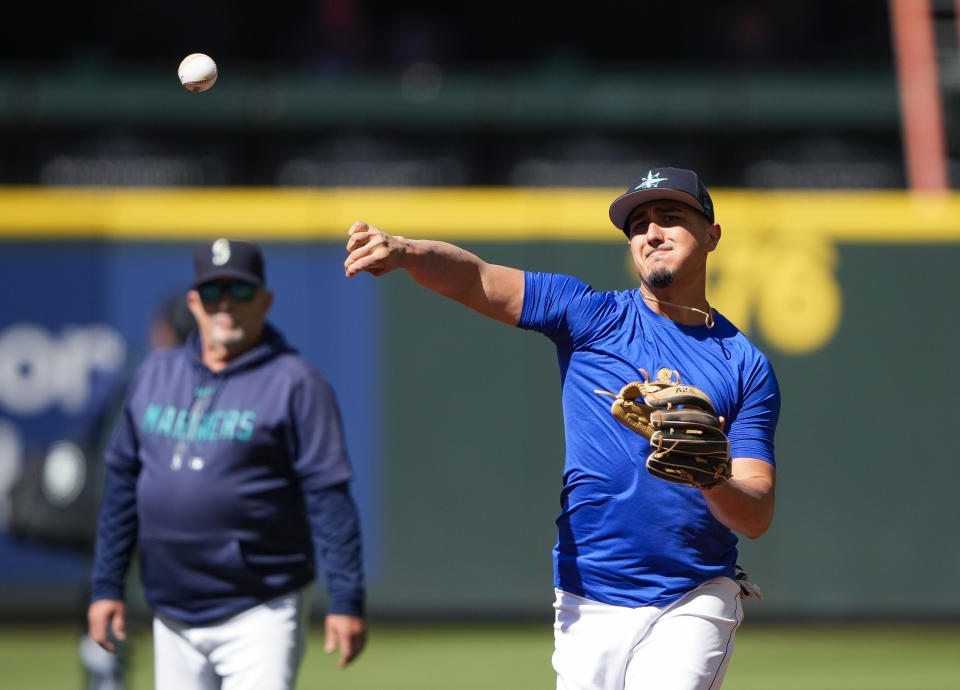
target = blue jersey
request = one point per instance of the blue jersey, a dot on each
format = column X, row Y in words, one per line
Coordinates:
column 224, row 467
column 626, row 537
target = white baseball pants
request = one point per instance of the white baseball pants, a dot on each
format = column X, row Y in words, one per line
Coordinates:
column 257, row 649
column 684, row 646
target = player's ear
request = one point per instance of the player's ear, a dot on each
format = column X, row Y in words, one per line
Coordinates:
column 193, row 300
column 267, row 300
column 713, row 236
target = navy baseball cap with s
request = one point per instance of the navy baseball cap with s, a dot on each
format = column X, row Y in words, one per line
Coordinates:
column 662, row 183
column 225, row 259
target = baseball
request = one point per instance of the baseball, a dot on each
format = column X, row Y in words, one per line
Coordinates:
column 197, row 72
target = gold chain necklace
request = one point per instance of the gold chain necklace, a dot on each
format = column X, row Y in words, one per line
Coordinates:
column 708, row 316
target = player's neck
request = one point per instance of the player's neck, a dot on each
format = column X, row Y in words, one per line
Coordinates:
column 217, row 356
column 686, row 307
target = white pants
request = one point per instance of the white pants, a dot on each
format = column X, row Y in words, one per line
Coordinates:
column 257, row 649
column 683, row 646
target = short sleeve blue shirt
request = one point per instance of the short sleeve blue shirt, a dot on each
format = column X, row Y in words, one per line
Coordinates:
column 626, row 537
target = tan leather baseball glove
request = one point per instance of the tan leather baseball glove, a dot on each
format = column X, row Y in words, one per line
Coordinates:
column 686, row 438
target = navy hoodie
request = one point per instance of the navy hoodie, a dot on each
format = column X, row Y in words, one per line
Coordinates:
column 226, row 483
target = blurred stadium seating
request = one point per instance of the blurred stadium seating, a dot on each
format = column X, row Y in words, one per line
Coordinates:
column 364, row 92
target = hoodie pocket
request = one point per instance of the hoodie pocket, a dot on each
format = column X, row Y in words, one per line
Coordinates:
column 277, row 567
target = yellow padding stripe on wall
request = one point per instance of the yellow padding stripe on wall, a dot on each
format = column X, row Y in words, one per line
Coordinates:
column 487, row 213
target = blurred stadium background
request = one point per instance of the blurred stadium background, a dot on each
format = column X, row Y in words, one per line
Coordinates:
column 828, row 131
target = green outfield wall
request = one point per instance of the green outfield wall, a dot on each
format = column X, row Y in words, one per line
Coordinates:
column 852, row 295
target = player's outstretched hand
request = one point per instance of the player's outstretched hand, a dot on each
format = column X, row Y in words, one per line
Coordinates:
column 372, row 250
column 103, row 615
column 349, row 633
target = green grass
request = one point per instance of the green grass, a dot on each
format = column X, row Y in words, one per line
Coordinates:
column 517, row 657
column 846, row 658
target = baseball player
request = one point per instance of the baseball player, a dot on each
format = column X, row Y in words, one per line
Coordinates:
column 645, row 560
column 228, row 472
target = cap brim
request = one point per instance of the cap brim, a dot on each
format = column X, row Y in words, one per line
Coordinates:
column 620, row 209
column 227, row 274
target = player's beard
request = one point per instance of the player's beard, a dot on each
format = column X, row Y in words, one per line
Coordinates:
column 226, row 332
column 660, row 277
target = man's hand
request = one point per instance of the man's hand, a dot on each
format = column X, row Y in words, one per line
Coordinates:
column 372, row 250
column 347, row 632
column 103, row 615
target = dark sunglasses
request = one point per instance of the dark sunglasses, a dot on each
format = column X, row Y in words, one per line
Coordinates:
column 239, row 291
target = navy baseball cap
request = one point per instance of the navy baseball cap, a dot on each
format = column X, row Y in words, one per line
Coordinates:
column 662, row 183
column 228, row 259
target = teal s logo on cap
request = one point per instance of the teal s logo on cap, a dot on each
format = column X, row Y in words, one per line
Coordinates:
column 651, row 181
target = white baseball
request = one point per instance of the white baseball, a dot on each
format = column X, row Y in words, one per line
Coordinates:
column 197, row 72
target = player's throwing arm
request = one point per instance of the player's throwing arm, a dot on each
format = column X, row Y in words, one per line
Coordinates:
column 494, row 291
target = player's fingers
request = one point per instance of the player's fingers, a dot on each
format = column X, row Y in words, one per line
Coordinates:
column 120, row 625
column 346, row 651
column 363, row 262
column 353, row 257
column 351, row 646
column 98, row 621
column 352, row 266
column 97, row 628
column 358, row 226
column 365, row 245
column 329, row 641
column 362, row 250
column 358, row 640
column 358, row 240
